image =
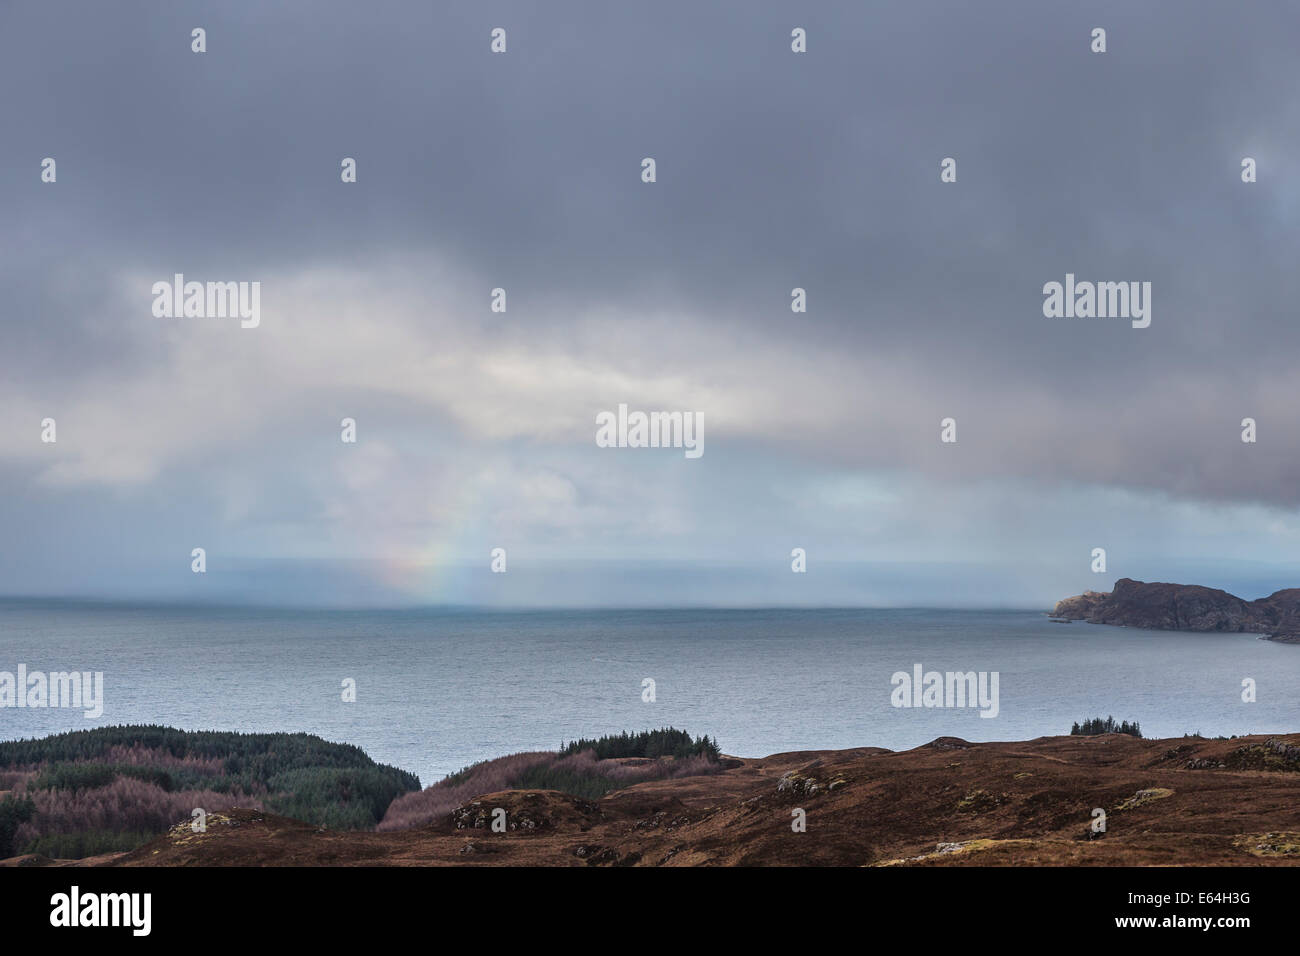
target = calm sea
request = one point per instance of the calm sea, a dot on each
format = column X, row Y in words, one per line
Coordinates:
column 439, row 689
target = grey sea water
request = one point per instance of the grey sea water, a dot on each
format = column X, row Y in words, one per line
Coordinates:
column 439, row 689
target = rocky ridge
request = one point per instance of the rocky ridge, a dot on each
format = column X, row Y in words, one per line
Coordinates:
column 1186, row 607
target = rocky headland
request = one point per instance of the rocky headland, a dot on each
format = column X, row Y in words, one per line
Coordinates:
column 1186, row 607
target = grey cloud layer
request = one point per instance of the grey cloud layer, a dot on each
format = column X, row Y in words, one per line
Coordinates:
column 521, row 170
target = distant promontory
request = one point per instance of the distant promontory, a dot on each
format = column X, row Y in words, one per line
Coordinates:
column 1186, row 607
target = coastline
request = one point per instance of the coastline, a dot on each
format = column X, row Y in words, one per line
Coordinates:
column 1185, row 607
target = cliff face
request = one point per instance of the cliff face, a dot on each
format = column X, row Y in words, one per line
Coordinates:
column 1186, row 607
column 1080, row 607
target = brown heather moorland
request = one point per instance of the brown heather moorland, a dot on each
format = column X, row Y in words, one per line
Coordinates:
column 1181, row 801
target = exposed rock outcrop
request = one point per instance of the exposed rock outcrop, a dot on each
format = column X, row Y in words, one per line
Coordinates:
column 1186, row 607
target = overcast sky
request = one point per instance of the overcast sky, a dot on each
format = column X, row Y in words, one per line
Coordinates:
column 522, row 170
